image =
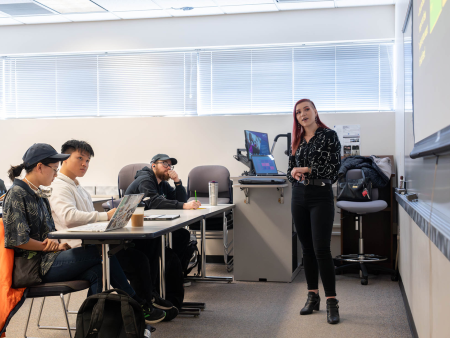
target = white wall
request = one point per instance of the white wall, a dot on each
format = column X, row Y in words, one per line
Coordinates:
column 192, row 140
column 351, row 23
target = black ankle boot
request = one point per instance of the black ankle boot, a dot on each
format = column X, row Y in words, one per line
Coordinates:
column 312, row 303
column 332, row 311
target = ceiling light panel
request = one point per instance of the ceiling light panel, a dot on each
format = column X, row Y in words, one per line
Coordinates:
column 249, row 8
column 185, row 3
column 3, row 15
column 305, row 5
column 9, row 21
column 25, row 8
column 128, row 5
column 196, row 11
column 143, row 14
column 71, row 6
column 92, row 17
column 43, row 19
column 242, row 2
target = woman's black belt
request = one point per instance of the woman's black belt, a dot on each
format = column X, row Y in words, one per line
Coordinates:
column 316, row 181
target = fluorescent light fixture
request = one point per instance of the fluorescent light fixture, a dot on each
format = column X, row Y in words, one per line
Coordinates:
column 42, row 19
column 242, row 2
column 127, row 5
column 3, row 15
column 185, row 3
column 92, row 17
column 354, row 3
column 71, row 6
column 9, row 21
column 305, row 5
column 143, row 14
column 196, row 11
column 249, row 8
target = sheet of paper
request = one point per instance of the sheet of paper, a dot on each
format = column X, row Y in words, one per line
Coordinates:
column 350, row 138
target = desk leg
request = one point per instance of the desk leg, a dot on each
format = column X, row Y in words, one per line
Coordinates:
column 106, row 267
column 203, row 276
column 162, row 268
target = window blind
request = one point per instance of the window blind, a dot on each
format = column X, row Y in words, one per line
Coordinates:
column 265, row 80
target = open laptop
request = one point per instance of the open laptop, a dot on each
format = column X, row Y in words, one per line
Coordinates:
column 120, row 218
column 264, row 165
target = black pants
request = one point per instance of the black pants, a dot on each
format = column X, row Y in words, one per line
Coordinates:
column 313, row 213
column 136, row 266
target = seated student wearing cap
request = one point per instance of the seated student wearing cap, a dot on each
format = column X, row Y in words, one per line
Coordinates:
column 72, row 206
column 27, row 219
column 153, row 183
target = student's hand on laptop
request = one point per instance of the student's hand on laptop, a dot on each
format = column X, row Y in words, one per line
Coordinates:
column 111, row 213
column 50, row 245
column 192, row 205
column 173, row 175
column 64, row 247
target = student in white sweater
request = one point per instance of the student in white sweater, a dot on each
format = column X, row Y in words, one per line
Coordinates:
column 72, row 206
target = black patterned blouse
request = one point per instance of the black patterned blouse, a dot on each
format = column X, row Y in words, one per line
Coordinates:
column 25, row 216
column 322, row 154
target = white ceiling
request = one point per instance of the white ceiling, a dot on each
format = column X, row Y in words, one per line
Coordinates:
column 19, row 12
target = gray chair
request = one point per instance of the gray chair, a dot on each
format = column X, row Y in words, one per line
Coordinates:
column 362, row 261
column 198, row 181
column 54, row 289
column 125, row 178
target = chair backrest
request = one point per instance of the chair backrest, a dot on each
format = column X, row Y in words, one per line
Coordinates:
column 356, row 174
column 127, row 174
column 199, row 177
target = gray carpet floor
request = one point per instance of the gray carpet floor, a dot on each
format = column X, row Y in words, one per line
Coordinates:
column 244, row 309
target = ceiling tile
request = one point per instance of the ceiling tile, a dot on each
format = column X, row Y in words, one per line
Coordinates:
column 196, row 11
column 9, row 21
column 305, row 5
column 143, row 14
column 128, row 5
column 185, row 3
column 71, row 6
column 42, row 19
column 92, row 16
column 249, row 8
column 242, row 2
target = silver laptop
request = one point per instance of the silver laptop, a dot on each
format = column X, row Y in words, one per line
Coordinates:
column 120, row 218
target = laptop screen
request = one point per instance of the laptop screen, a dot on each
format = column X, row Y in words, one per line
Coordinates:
column 264, row 165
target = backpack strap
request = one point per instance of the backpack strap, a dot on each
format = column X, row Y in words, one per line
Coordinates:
column 129, row 321
column 96, row 317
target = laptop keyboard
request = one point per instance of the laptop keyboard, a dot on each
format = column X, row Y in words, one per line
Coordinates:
column 90, row 227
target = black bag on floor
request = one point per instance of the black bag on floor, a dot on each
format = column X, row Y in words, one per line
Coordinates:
column 174, row 279
column 107, row 315
column 190, row 257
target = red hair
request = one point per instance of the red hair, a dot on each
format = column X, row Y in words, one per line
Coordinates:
column 298, row 132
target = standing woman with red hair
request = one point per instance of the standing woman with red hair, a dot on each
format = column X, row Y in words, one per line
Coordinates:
column 313, row 167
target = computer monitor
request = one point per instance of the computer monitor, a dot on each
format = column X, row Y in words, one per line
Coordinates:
column 264, row 165
column 256, row 143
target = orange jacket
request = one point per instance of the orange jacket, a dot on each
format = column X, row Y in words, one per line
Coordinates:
column 10, row 299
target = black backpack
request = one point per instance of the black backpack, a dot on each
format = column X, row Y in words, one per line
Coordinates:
column 107, row 315
column 190, row 257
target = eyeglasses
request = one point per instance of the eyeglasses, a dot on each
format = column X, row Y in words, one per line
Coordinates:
column 55, row 170
column 166, row 165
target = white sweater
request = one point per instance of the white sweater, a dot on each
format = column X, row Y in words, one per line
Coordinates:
column 72, row 206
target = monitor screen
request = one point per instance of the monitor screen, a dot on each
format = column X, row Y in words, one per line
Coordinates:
column 256, row 143
column 264, row 165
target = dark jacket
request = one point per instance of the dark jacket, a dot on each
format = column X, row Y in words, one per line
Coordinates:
column 368, row 166
column 162, row 196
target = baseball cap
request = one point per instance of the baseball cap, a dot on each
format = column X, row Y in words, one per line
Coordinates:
column 40, row 151
column 164, row 157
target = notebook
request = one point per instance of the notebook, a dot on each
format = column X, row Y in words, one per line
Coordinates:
column 120, row 218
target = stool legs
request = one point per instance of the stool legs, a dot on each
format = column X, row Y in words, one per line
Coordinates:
column 362, row 261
